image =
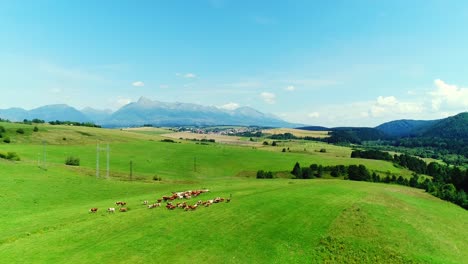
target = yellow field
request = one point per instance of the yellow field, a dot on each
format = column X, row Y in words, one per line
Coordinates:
column 148, row 130
column 297, row 132
column 218, row 138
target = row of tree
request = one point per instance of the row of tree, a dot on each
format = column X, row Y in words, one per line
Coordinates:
column 72, row 123
column 439, row 186
column 440, row 173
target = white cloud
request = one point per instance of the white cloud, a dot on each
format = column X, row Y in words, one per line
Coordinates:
column 290, row 88
column 163, row 86
column 449, row 95
column 269, row 98
column 186, row 75
column 377, row 110
column 138, row 84
column 230, row 106
column 388, row 106
column 314, row 115
column 387, row 101
column 122, row 101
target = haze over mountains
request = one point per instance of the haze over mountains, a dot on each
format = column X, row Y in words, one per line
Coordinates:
column 146, row 111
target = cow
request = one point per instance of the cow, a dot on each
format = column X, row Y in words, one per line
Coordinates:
column 170, row 206
column 123, row 209
column 151, row 206
column 145, row 202
column 120, row 203
column 111, row 210
column 93, row 210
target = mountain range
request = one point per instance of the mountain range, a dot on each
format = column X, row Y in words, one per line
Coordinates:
column 147, row 111
column 455, row 127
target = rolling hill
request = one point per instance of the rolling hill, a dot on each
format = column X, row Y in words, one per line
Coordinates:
column 405, row 127
column 455, row 127
column 45, row 214
column 278, row 220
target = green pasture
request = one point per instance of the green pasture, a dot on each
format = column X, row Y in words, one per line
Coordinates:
column 176, row 161
column 45, row 215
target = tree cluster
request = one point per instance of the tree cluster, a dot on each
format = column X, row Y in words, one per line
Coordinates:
column 72, row 123
column 10, row 156
column 317, row 171
column 447, row 183
column 33, row 121
column 264, row 174
column 371, row 154
column 72, row 161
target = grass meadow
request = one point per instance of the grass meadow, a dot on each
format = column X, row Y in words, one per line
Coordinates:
column 45, row 216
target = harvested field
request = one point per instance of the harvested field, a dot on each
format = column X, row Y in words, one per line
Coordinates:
column 218, row 138
column 297, row 132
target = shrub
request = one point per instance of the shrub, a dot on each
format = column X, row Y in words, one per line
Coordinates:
column 2, row 129
column 265, row 143
column 12, row 156
column 72, row 161
column 157, row 178
column 7, row 140
column 35, row 129
column 323, row 150
column 261, row 174
column 168, row 140
column 20, row 131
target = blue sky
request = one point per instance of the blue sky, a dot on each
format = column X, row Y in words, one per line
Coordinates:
column 330, row 63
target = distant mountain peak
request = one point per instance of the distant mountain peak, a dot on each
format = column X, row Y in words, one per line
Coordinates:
column 147, row 111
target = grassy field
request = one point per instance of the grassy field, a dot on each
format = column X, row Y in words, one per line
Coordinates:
column 46, row 220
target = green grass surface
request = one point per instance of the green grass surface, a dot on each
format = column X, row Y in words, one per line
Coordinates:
column 45, row 215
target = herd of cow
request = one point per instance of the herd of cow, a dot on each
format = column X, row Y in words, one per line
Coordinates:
column 169, row 200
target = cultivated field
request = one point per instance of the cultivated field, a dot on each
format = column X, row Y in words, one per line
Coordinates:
column 45, row 216
column 297, row 132
column 234, row 140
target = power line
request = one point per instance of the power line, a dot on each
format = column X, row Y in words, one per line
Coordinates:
column 99, row 149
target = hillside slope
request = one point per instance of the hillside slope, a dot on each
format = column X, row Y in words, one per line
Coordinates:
column 455, row 127
column 45, row 215
column 266, row 221
column 405, row 127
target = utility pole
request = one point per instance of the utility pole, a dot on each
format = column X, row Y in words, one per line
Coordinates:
column 99, row 149
column 131, row 170
column 44, row 154
column 195, row 164
column 107, row 175
column 97, row 161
